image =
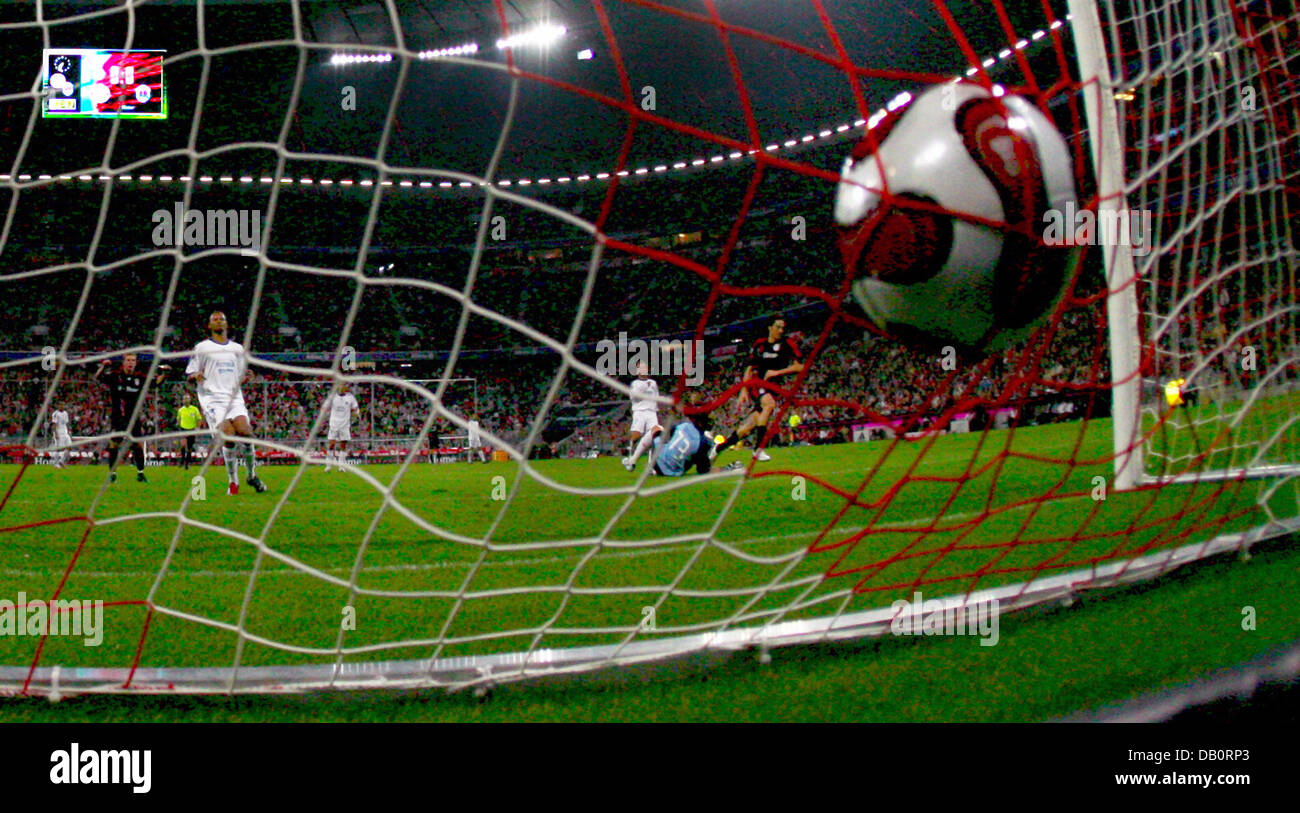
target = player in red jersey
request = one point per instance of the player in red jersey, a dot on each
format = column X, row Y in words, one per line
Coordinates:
column 771, row 358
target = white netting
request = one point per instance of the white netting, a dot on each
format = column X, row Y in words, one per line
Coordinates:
column 419, row 579
column 1207, row 95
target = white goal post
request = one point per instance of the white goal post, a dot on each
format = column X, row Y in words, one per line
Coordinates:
column 374, row 407
column 1169, row 292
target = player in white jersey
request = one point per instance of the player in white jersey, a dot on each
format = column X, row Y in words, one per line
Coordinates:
column 342, row 407
column 645, row 415
column 62, row 438
column 219, row 368
column 475, row 440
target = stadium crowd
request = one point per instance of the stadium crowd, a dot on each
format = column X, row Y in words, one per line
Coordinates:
column 539, row 278
column 870, row 377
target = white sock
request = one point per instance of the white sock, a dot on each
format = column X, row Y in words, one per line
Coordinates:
column 641, row 446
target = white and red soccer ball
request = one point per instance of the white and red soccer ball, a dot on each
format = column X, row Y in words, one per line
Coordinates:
column 941, row 210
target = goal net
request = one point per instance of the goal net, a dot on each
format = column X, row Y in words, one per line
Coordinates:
column 504, row 209
column 1194, row 109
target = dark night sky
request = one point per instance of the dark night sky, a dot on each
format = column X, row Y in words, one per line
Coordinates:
column 449, row 116
column 236, row 90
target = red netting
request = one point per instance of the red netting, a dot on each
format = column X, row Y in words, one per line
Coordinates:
column 978, row 470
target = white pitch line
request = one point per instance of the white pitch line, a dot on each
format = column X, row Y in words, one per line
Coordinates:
column 538, row 560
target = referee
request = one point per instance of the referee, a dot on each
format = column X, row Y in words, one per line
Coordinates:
column 188, row 418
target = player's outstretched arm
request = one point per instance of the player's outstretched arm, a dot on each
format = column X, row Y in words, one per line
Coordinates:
column 103, row 365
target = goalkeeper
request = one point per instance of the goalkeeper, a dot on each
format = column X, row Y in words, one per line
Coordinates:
column 689, row 445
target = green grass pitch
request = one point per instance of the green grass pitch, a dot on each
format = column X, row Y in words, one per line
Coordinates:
column 942, row 515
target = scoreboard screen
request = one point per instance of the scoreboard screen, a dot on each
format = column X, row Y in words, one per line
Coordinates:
column 103, row 83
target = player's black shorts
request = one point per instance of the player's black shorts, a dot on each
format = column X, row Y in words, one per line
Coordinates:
column 756, row 398
column 119, row 423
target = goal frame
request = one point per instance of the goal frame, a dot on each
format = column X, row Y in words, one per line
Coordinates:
column 1121, row 273
column 1124, row 321
column 364, row 385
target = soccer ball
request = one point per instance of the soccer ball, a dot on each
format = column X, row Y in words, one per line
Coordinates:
column 941, row 209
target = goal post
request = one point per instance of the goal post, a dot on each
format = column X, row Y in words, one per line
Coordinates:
column 1189, row 126
column 389, row 415
column 1121, row 279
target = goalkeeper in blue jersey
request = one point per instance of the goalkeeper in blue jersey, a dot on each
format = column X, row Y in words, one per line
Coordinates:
column 688, row 446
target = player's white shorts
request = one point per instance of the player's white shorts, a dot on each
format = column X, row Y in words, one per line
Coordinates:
column 644, row 420
column 219, row 410
column 340, row 431
column 62, row 440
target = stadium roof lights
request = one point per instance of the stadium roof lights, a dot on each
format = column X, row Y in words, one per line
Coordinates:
column 349, row 59
column 466, row 49
column 459, row 50
column 542, row 35
column 545, row 35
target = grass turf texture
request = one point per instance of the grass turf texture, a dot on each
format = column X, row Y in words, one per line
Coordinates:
column 943, row 516
column 1219, row 435
column 1046, row 665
